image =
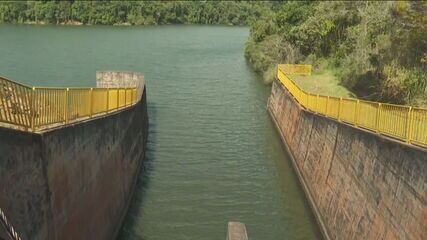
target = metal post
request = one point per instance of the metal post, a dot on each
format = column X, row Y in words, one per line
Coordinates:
column 377, row 127
column 356, row 113
column 125, row 96
column 66, row 107
column 108, row 99
column 117, row 98
column 131, row 96
column 307, row 94
column 339, row 110
column 91, row 103
column 317, row 103
column 327, row 103
column 33, row 109
column 409, row 126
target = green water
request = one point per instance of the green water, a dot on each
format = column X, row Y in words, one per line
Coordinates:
column 213, row 154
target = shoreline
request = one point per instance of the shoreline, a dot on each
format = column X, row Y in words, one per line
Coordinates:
column 125, row 24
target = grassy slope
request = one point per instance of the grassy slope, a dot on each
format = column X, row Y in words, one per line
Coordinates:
column 322, row 82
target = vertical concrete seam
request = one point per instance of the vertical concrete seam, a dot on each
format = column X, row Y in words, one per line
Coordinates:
column 333, row 154
column 309, row 142
column 51, row 230
column 301, row 135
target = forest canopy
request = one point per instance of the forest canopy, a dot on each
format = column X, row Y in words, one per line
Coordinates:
column 132, row 12
column 377, row 50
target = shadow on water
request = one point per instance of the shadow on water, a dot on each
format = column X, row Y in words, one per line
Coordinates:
column 143, row 182
column 285, row 175
column 284, row 165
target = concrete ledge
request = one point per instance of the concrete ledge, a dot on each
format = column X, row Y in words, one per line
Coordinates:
column 236, row 231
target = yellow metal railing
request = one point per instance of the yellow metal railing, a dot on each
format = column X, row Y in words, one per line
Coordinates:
column 34, row 107
column 405, row 123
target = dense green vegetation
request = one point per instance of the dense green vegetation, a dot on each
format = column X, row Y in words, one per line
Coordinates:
column 131, row 12
column 323, row 82
column 378, row 50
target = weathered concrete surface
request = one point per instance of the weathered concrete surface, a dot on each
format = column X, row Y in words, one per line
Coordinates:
column 113, row 79
column 237, row 231
column 361, row 185
column 116, row 79
column 4, row 234
column 73, row 182
column 24, row 188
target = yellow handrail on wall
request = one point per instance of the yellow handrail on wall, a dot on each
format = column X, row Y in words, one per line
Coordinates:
column 35, row 107
column 405, row 123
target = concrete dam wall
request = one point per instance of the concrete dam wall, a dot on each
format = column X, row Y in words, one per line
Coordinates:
column 76, row 181
column 361, row 185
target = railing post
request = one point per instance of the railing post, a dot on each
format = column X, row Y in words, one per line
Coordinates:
column 91, row 103
column 33, row 109
column 125, row 96
column 409, row 126
column 339, row 110
column 117, row 98
column 317, row 103
column 108, row 99
column 306, row 102
column 327, row 103
column 66, row 113
column 377, row 127
column 131, row 96
column 356, row 113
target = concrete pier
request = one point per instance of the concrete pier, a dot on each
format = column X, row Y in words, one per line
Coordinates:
column 236, row 231
column 74, row 181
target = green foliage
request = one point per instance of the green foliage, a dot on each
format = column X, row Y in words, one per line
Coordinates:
column 379, row 49
column 132, row 12
column 265, row 55
column 322, row 82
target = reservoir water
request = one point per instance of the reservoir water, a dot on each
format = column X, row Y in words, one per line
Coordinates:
column 213, row 154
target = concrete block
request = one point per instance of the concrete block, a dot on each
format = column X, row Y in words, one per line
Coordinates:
column 236, row 231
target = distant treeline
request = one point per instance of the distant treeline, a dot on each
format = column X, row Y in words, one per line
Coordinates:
column 132, row 12
column 377, row 49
